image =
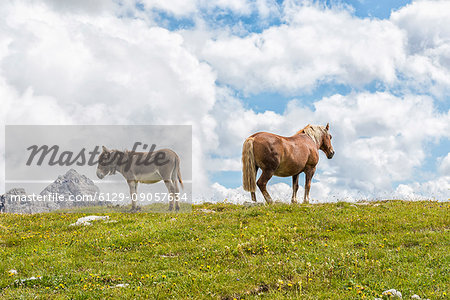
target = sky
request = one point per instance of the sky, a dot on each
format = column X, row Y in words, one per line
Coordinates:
column 377, row 71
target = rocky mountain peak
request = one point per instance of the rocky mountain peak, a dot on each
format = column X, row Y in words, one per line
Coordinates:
column 71, row 183
column 69, row 186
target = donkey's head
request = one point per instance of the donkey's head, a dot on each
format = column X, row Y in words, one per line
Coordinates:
column 325, row 145
column 106, row 163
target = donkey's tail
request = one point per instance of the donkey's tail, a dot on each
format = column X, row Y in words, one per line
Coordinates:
column 248, row 166
column 177, row 167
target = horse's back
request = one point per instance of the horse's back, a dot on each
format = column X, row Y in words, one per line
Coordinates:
column 285, row 155
column 279, row 144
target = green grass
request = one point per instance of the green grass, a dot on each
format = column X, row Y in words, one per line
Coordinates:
column 184, row 207
column 321, row 251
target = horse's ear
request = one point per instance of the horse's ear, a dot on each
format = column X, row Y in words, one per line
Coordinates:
column 104, row 149
column 328, row 126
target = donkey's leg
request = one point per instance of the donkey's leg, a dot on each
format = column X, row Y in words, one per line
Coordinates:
column 171, row 198
column 133, row 193
column 176, row 194
column 173, row 194
column 175, row 189
column 294, row 188
column 262, row 183
column 309, row 172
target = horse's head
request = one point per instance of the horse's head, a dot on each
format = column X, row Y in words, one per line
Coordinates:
column 106, row 164
column 326, row 146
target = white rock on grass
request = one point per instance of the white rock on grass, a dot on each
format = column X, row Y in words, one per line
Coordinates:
column 30, row 279
column 207, row 211
column 393, row 293
column 415, row 297
column 88, row 219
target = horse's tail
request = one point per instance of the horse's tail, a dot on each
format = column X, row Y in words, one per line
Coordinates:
column 248, row 166
column 178, row 176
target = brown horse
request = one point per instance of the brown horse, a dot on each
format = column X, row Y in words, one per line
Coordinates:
column 284, row 156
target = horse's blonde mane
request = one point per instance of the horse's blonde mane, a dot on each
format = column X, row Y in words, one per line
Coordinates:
column 314, row 131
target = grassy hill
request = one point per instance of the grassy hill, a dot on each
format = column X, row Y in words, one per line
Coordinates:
column 321, row 251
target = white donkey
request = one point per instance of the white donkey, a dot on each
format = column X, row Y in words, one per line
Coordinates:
column 144, row 167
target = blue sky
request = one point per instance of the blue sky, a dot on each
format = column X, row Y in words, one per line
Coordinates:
column 375, row 9
column 361, row 8
column 378, row 71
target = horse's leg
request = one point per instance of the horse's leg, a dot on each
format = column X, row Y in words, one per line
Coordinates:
column 308, row 176
column 294, row 188
column 133, row 193
column 262, row 183
column 253, row 193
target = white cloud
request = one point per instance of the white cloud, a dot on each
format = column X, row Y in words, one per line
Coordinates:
column 223, row 164
column 316, row 45
column 437, row 189
column 175, row 7
column 235, row 123
column 444, row 165
column 427, row 26
column 81, row 6
column 194, row 8
column 82, row 69
column 26, row 108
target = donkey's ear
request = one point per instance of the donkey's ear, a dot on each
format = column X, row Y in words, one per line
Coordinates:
column 327, row 127
column 104, row 149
